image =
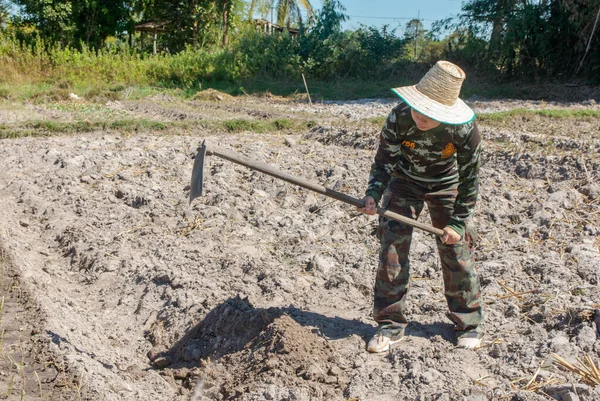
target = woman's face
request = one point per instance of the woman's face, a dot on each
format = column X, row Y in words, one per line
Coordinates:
column 424, row 123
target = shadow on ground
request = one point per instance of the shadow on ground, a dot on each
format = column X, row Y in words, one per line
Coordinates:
column 236, row 325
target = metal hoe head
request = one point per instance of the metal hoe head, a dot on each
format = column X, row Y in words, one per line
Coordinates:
column 198, row 173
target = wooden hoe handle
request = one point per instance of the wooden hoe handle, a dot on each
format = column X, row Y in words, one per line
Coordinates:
column 269, row 170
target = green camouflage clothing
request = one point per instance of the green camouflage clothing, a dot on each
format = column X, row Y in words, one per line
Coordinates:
column 413, row 167
column 440, row 155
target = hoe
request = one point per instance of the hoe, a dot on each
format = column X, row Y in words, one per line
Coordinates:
column 205, row 149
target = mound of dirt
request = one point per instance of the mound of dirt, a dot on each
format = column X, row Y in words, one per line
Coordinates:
column 212, row 95
column 255, row 353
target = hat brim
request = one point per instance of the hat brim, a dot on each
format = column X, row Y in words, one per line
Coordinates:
column 458, row 113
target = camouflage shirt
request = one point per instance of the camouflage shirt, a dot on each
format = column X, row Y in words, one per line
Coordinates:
column 445, row 153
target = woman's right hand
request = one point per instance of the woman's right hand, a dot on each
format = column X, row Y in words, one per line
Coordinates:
column 370, row 207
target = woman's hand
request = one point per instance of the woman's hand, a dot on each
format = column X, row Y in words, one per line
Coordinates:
column 370, row 206
column 450, row 236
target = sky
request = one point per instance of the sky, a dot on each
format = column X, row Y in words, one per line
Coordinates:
column 395, row 13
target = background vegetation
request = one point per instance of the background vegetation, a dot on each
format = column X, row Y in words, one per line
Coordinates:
column 52, row 47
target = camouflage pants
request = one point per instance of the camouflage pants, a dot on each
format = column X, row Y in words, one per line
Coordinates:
column 461, row 283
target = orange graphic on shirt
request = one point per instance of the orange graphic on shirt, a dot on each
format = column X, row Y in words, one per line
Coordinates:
column 448, row 151
column 408, row 144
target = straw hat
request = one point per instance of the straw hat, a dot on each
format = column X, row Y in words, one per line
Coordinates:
column 436, row 95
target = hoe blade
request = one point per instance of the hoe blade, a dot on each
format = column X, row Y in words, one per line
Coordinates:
column 198, row 173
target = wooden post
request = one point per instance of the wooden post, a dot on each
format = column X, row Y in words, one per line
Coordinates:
column 306, row 87
column 154, row 42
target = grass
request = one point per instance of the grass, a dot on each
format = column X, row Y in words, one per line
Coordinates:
column 93, row 114
column 265, row 126
column 55, row 89
column 319, row 90
column 40, row 128
column 94, row 117
column 39, row 69
column 48, row 128
column 337, row 89
column 377, row 121
column 42, row 92
column 502, row 116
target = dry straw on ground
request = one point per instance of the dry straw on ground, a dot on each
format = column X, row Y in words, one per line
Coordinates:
column 587, row 369
column 533, row 384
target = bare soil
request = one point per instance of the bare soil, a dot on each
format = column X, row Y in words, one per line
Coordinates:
column 28, row 369
column 261, row 290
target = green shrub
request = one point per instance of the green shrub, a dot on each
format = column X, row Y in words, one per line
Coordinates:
column 267, row 56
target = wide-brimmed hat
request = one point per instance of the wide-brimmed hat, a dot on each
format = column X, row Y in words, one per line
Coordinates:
column 436, row 95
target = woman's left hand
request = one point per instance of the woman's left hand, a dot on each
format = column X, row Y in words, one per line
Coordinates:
column 450, row 236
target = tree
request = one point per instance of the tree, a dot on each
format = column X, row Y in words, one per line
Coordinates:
column 414, row 36
column 52, row 18
column 262, row 6
column 196, row 23
column 494, row 13
column 4, row 12
column 289, row 12
column 583, row 17
column 96, row 19
column 532, row 38
column 231, row 12
column 75, row 22
column 330, row 19
column 322, row 46
column 226, row 7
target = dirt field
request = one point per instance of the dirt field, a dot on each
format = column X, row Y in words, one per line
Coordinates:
column 116, row 288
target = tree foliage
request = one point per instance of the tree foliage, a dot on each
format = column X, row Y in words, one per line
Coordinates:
column 289, row 12
column 4, row 13
column 196, row 23
column 503, row 39
column 521, row 39
column 74, row 22
column 414, row 34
